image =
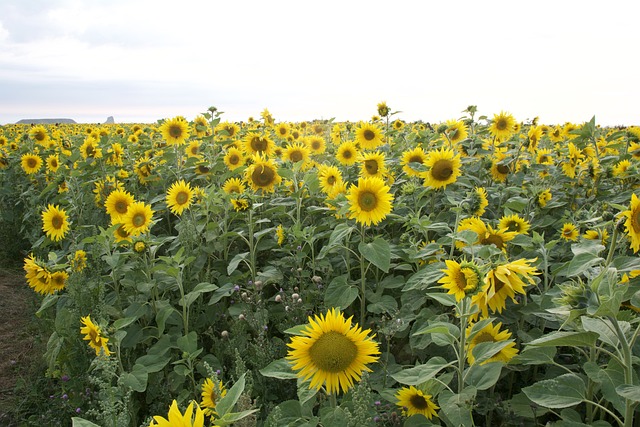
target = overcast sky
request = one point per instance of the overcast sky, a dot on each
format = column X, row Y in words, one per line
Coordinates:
column 143, row 60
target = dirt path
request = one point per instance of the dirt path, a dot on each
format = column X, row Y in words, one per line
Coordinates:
column 17, row 303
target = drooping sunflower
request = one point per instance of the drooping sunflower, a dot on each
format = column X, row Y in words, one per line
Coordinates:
column 369, row 201
column 31, row 163
column 491, row 333
column 296, row 152
column 443, row 168
column 179, row 197
column 544, row 197
column 417, row 156
column 514, row 223
column 58, row 280
column 383, row 109
column 262, row 174
column 54, row 222
column 93, row 334
column 79, row 261
column 347, row 153
column 234, row 158
column 121, row 234
column 255, row 143
column 632, row 223
column 460, row 279
column 117, row 204
column 487, row 235
column 37, row 276
column 332, row 352
column 478, row 201
column 201, row 126
column 502, row 282
column 569, row 232
column 369, row 136
column 372, row 164
column 175, row 131
column 90, row 149
column 500, row 168
column 233, row 186
column 212, row 392
column 137, row 219
column 240, row 205
column 502, row 126
column 329, row 177
column 414, row 401
column 176, row 419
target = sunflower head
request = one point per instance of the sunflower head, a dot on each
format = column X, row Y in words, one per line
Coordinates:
column 175, row 131
column 179, row 197
column 262, row 174
column 369, row 201
column 443, row 168
column 414, row 401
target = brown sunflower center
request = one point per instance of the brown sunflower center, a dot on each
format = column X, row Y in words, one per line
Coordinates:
column 121, row 207
column 230, row 130
column 295, row 156
column 53, row 163
column 333, row 352
column 182, row 197
column 513, row 226
column 461, row 280
column 502, row 124
column 493, row 239
column 367, row 201
column 139, row 219
column 635, row 220
column 175, row 131
column 331, row 180
column 282, row 131
column 40, row 136
column 503, row 169
column 483, row 337
column 258, row 143
column 415, row 159
column 419, row 402
column 371, row 166
column 57, row 221
column 31, row 162
column 263, row 176
column 347, row 154
column 90, row 151
column 316, row 145
column 442, row 170
column 368, row 134
column 234, row 159
column 499, row 284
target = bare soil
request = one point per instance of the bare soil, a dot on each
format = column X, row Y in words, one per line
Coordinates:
column 17, row 353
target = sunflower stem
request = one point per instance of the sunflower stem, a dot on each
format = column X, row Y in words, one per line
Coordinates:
column 614, row 241
column 463, row 313
column 333, row 399
column 363, row 281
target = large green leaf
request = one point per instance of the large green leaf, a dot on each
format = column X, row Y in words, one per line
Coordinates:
column 566, row 339
column 562, row 392
column 628, row 391
column 377, row 253
column 339, row 233
column 137, row 378
column 81, row 422
column 340, row 293
column 280, row 369
column 226, row 404
column 483, row 377
column 457, row 407
column 421, row 373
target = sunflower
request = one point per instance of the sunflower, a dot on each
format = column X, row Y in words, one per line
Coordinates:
column 53, row 163
column 201, row 126
column 31, row 163
column 282, row 130
column 502, row 282
column 193, row 150
column 255, row 143
column 316, row 144
column 296, row 152
column 38, row 277
column 262, row 174
column 93, row 334
column 372, row 164
column 491, row 333
column 234, row 158
column 569, row 232
column 58, row 280
column 347, row 153
column 632, row 223
column 54, row 222
column 176, row 419
column 514, row 223
column 417, row 156
column 397, row 124
column 499, row 168
column 486, row 234
column 369, row 201
column 90, row 149
column 414, row 401
column 212, row 392
column 621, row 169
column 368, row 136
column 502, row 126
column 226, row 130
column 456, row 131
column 175, row 131
column 39, row 135
column 544, row 197
column 543, row 156
column 79, row 261
column 117, row 204
column 121, row 234
column 179, row 197
column 137, row 219
column 444, row 168
column 478, row 201
column 280, row 234
column 240, row 205
column 329, row 177
column 383, row 109
column 460, row 279
column 233, row 186
column 332, row 352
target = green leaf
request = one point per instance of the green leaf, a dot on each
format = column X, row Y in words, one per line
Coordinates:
column 534, row 356
column 457, row 407
column 377, row 253
column 305, row 393
column 425, row 277
column 162, row 316
column 339, row 233
column 386, row 304
column 136, row 379
column 223, row 291
column 628, row 391
column 232, row 417
column 188, row 343
column 153, row 362
column 483, row 377
column 226, row 404
column 81, row 422
column 421, row 373
column 340, row 293
column 579, row 264
column 603, row 328
column 486, row 350
column 280, row 369
column 562, row 392
column 566, row 339
column 233, row 264
column 447, row 300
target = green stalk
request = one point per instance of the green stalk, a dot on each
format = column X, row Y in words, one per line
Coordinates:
column 628, row 369
column 363, row 281
column 462, row 351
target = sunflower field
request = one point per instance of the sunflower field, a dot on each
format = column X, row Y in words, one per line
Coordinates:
column 480, row 271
